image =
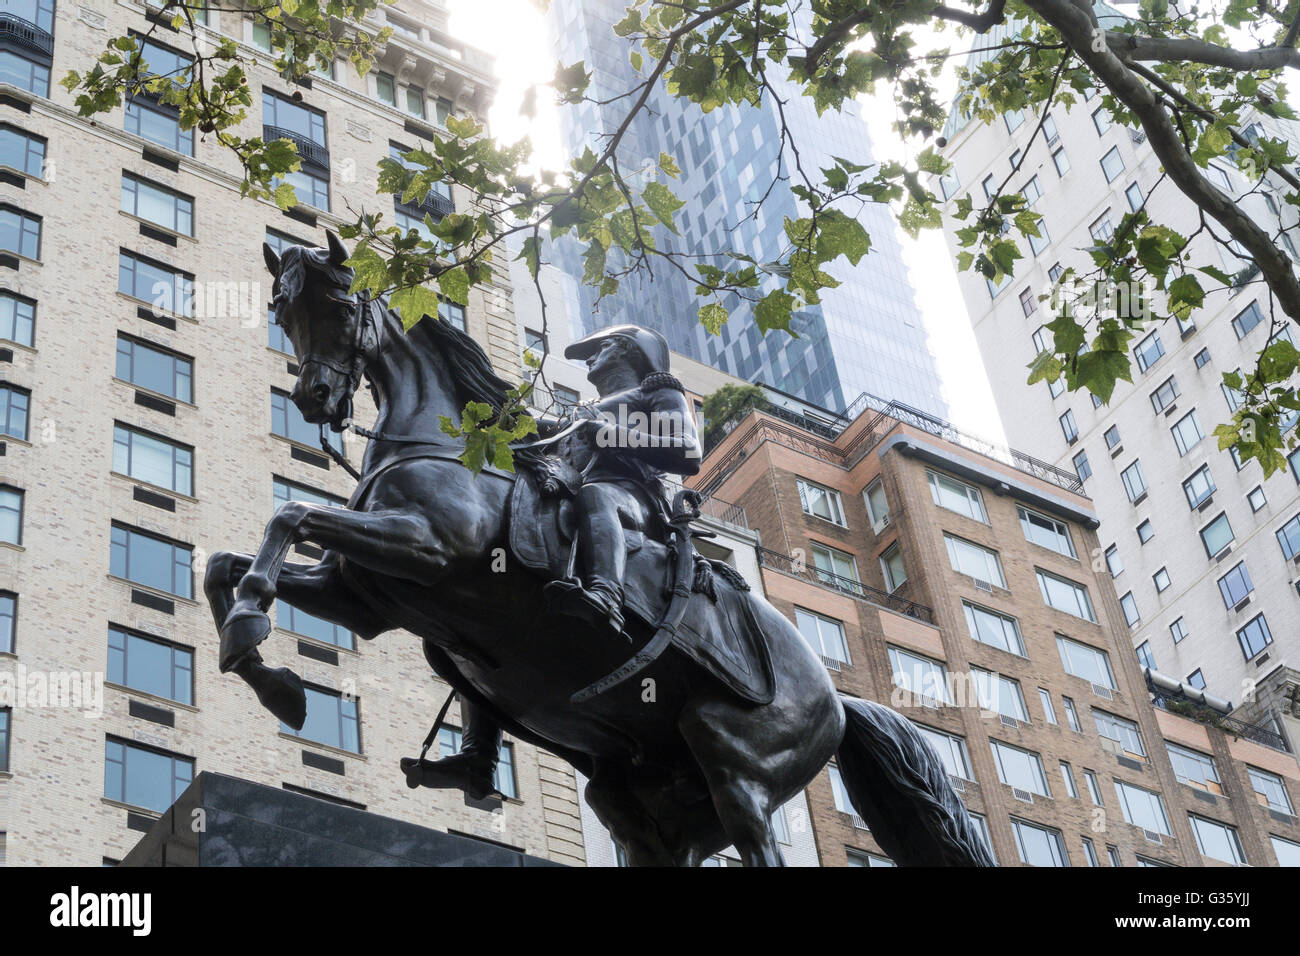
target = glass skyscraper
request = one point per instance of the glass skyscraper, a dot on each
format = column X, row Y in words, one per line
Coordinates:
column 865, row 336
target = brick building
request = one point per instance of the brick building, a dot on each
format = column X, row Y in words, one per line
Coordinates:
column 960, row 582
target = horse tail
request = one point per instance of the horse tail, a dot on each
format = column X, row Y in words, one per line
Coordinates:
column 899, row 786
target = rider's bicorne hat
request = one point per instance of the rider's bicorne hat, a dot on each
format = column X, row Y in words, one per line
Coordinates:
column 652, row 346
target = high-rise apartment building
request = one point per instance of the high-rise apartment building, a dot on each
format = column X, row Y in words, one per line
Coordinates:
column 1202, row 548
column 866, row 336
column 147, row 424
column 953, row 579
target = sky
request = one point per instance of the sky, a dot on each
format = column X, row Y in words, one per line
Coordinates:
column 515, row 33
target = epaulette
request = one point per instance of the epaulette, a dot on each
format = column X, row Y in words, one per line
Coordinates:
column 657, row 380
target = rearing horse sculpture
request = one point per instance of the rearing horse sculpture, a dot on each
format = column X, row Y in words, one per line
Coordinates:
column 674, row 780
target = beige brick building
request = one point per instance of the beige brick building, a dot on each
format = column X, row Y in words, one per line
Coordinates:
column 953, row 579
column 140, row 439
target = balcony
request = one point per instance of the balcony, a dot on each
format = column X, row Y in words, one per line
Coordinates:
column 312, row 153
column 891, row 602
column 20, row 34
column 435, row 204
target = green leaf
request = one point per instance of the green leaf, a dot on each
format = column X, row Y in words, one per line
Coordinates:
column 713, row 317
column 661, row 201
column 774, row 311
column 414, row 303
column 838, row 234
column 1185, row 294
column 454, row 284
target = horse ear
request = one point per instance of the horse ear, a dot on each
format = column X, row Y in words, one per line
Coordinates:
column 338, row 252
column 272, row 260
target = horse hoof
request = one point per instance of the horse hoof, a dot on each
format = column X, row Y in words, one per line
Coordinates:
column 281, row 692
column 240, row 634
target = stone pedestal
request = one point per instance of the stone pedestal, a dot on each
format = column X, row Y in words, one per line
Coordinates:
column 224, row 821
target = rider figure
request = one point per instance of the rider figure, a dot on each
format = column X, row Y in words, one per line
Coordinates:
column 641, row 427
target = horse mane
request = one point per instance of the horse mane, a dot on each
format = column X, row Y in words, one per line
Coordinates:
column 468, row 365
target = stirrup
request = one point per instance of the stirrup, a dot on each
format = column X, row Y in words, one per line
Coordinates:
column 571, row 599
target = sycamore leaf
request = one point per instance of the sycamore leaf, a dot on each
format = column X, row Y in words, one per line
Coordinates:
column 661, row 201
column 713, row 317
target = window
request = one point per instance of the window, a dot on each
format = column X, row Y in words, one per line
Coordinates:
column 862, row 858
column 891, row 564
column 1194, row 768
column 1112, row 164
column 957, row 496
column 1199, row 487
column 143, row 776
column 1217, row 535
column 1288, row 537
column 14, row 404
column 947, row 182
column 4, row 746
column 17, row 318
column 1013, row 119
column 1288, row 853
column 1067, row 774
column 1068, row 427
column 1234, row 397
column 840, row 795
column 1270, row 791
column 1113, row 562
column 877, row 503
column 1135, row 485
column 150, row 665
column 1049, row 129
column 386, row 88
column 1083, row 660
column 995, row 288
column 157, row 204
column 332, row 720
column 299, row 622
column 154, row 368
column 8, row 618
column 1041, row 241
column 1145, row 531
column 1178, row 630
column 1254, row 637
column 821, row 502
column 1061, row 161
column 1217, row 840
column 287, row 422
column 534, row 341
column 161, row 286
column 157, row 122
column 1045, row 531
column 20, row 231
column 919, row 676
column 836, row 568
column 1081, row 466
column 1038, row 845
column 1054, row 273
column 1142, row 808
column 1028, row 302
column 1235, row 586
column 951, row 750
column 1165, row 395
column 1049, row 711
column 1161, row 580
column 1202, row 358
column 1094, row 789
column 11, row 515
column 1145, row 657
column 824, row 634
column 982, row 826
column 1121, row 730
column 150, row 560
column 21, row 150
column 1247, row 319
column 1065, row 595
column 442, row 111
column 974, row 560
column 415, row 101
column 994, row 629
column 1196, row 679
column 1256, row 498
column 1149, row 350
column 1032, row 191
column 305, row 127
column 1134, row 196
column 1218, row 176
column 1100, row 121
column 283, row 491
column 28, row 74
column 1187, row 432
column 567, row 398
column 1102, row 229
column 1112, row 436
column 1001, row 695
column 1071, row 714
column 262, row 36
column 153, row 459
column 1090, row 852
column 1018, row 768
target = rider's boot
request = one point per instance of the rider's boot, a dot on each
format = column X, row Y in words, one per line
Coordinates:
column 598, row 600
column 472, row 769
column 597, row 606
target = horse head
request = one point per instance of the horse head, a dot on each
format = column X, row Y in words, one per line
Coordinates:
column 324, row 322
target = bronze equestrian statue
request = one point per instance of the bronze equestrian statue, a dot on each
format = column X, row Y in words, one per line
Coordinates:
column 693, row 706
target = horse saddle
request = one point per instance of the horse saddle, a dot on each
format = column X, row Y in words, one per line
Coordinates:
column 719, row 630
